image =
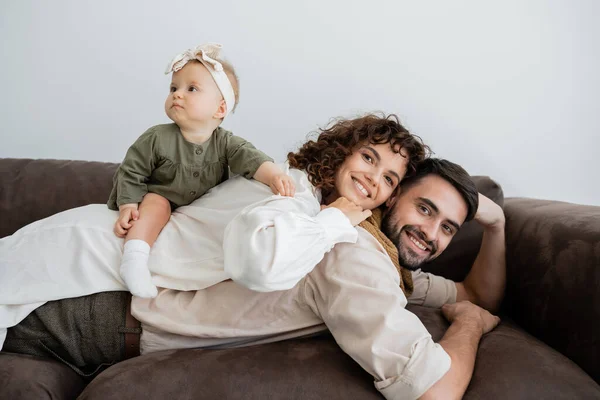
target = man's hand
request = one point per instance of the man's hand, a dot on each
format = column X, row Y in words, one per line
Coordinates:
column 468, row 323
column 282, row 184
column 467, row 311
column 127, row 212
column 489, row 214
column 355, row 213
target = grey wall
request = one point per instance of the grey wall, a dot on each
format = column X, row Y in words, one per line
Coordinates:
column 508, row 89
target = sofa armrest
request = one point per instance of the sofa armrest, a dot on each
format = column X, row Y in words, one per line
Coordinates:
column 553, row 275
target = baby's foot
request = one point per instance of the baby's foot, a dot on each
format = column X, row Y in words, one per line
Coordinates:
column 138, row 281
column 134, row 269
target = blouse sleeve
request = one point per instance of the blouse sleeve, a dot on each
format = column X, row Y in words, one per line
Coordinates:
column 273, row 244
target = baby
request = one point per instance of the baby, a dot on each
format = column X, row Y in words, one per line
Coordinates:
column 172, row 165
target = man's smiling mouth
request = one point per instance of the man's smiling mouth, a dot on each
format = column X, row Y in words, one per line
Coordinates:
column 419, row 243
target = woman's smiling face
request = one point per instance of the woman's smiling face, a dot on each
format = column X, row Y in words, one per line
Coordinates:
column 370, row 175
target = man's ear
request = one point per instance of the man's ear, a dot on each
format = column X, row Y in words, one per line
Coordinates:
column 221, row 111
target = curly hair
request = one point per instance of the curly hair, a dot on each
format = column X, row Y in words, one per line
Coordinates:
column 322, row 157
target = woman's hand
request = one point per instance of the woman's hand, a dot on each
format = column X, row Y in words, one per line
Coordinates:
column 355, row 213
column 127, row 212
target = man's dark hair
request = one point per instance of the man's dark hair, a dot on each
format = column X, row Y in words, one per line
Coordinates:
column 452, row 173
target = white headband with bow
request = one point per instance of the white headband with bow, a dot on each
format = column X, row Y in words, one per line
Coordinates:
column 207, row 54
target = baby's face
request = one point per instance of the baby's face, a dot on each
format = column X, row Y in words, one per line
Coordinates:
column 194, row 98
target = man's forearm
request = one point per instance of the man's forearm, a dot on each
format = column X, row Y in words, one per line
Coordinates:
column 487, row 279
column 460, row 342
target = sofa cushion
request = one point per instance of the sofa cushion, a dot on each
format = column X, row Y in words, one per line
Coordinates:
column 313, row 368
column 455, row 262
column 510, row 364
column 24, row 377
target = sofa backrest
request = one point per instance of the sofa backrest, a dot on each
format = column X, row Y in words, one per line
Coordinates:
column 34, row 189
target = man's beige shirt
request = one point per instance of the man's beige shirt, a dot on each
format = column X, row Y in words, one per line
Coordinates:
column 354, row 292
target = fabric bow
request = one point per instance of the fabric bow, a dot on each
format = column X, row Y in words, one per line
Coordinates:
column 203, row 53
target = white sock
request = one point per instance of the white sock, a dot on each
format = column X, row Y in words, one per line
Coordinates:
column 134, row 269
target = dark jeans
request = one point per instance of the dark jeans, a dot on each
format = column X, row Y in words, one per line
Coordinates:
column 86, row 333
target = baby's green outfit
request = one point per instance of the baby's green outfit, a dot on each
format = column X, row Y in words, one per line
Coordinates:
column 161, row 161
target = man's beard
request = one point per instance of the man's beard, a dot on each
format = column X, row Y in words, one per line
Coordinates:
column 407, row 257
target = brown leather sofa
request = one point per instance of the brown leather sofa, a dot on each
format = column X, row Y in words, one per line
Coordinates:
column 546, row 347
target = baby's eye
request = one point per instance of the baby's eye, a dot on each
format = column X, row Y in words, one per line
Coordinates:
column 172, row 89
column 192, row 89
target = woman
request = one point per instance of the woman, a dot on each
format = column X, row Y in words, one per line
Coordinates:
column 354, row 165
column 264, row 241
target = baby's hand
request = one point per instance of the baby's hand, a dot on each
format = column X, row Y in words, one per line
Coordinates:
column 271, row 175
column 282, row 184
column 127, row 212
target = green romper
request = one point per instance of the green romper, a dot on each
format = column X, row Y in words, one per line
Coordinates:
column 161, row 161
